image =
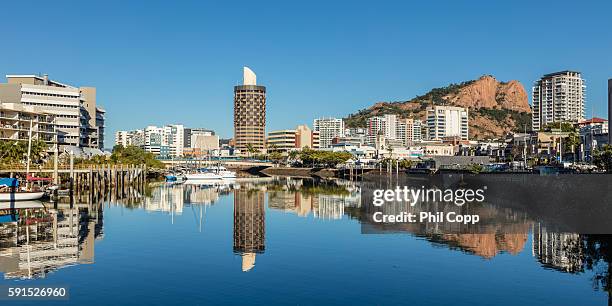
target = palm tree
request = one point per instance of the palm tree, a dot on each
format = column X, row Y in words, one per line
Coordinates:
column 251, row 149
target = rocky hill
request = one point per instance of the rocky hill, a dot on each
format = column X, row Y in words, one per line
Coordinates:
column 495, row 107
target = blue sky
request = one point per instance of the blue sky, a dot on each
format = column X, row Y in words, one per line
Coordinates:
column 159, row 62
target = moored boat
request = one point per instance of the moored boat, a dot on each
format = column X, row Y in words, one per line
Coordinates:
column 202, row 176
column 10, row 191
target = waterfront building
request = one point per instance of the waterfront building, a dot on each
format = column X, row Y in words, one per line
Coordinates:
column 447, row 121
column 205, row 141
column 417, row 135
column 281, row 141
column 15, row 121
column 558, row 97
column 190, row 132
column 408, row 131
column 438, row 150
column 249, row 114
column 123, row 138
column 387, row 125
column 594, row 134
column 356, row 134
column 289, row 140
column 305, row 137
column 173, row 137
column 172, row 140
column 328, row 129
column 79, row 120
column 153, row 136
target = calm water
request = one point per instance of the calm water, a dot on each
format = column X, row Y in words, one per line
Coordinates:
column 290, row 242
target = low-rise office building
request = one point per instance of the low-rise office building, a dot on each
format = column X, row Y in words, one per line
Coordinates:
column 284, row 141
column 79, row 120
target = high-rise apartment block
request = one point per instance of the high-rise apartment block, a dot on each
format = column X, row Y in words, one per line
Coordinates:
column 328, row 129
column 447, row 122
column 408, row 131
column 558, row 97
column 394, row 129
column 79, row 120
column 249, row 114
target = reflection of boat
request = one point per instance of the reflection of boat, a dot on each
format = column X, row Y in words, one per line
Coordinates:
column 210, row 182
column 21, row 196
column 21, row 205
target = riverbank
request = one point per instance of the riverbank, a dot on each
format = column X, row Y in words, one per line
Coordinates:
column 300, row 172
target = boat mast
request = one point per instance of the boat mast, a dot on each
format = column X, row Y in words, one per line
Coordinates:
column 29, row 151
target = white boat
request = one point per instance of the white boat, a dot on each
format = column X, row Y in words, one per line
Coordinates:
column 202, row 176
column 21, row 196
column 222, row 171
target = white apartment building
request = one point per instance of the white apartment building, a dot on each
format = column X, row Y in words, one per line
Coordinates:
column 447, row 121
column 170, row 140
column 408, row 131
column 79, row 121
column 558, row 97
column 174, row 138
column 328, row 128
column 386, row 124
column 153, row 136
column 123, row 138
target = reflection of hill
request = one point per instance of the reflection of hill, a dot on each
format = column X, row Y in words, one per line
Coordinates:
column 499, row 229
column 485, row 245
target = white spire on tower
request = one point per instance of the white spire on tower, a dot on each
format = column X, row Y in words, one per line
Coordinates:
column 248, row 77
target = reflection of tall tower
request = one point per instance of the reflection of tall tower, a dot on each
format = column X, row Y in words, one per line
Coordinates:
column 249, row 225
column 249, row 113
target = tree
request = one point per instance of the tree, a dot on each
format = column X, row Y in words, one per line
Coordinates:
column 16, row 151
column 276, row 157
column 131, row 155
column 405, row 164
column 251, row 149
column 603, row 157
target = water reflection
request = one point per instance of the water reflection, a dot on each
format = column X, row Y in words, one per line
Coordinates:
column 39, row 240
column 249, row 225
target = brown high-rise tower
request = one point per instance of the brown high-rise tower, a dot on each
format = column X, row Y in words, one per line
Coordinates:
column 249, row 114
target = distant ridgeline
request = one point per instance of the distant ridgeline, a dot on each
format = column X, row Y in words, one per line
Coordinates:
column 495, row 107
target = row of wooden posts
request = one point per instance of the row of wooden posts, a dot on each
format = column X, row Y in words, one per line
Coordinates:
column 103, row 177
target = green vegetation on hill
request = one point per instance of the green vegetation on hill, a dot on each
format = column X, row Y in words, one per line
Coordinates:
column 433, row 97
column 521, row 120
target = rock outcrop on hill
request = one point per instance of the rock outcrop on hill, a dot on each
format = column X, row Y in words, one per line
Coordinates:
column 495, row 107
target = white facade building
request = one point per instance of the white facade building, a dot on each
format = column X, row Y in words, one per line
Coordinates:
column 558, row 97
column 328, row 128
column 447, row 121
column 79, row 121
